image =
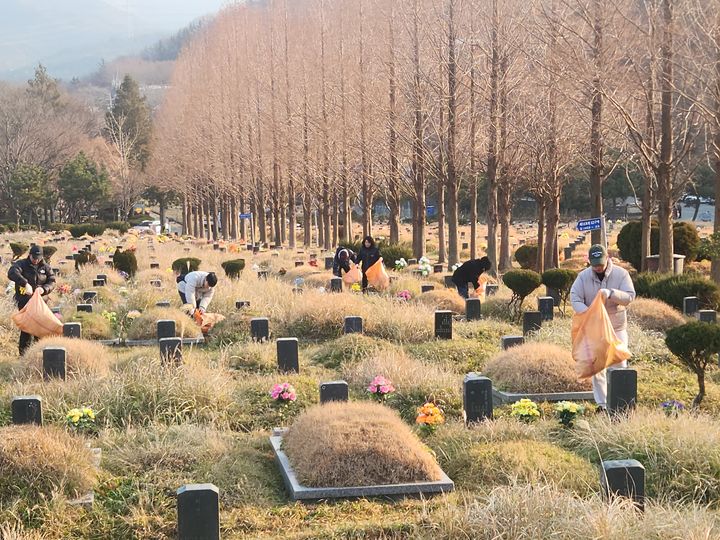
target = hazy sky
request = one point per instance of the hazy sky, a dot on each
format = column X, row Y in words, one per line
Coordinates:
column 176, row 12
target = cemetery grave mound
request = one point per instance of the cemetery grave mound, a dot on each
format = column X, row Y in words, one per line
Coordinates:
column 535, row 368
column 443, row 299
column 36, row 462
column 654, row 315
column 349, row 348
column 356, row 444
column 233, row 328
column 94, row 325
column 145, row 326
column 83, row 357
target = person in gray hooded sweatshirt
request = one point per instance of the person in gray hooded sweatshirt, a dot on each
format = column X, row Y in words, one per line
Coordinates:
column 197, row 289
column 617, row 288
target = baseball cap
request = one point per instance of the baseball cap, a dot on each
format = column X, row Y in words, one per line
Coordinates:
column 36, row 252
column 597, row 255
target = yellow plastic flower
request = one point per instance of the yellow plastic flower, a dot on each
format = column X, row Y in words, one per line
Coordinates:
column 87, row 411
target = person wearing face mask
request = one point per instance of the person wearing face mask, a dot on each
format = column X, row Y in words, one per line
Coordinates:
column 30, row 274
column 616, row 287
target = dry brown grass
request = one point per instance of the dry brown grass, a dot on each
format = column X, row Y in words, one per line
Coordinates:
column 535, row 367
column 356, row 444
column 443, row 299
column 654, row 315
column 37, row 462
column 83, row 357
column 145, row 326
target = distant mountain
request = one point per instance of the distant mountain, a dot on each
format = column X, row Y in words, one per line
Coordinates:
column 71, row 37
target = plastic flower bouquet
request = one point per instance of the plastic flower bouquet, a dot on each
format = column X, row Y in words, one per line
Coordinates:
column 81, row 420
column 283, row 393
column 404, row 295
column 525, row 410
column 355, row 287
column 424, row 266
column 400, row 264
column 380, row 388
column 429, row 417
column 672, row 407
column 567, row 411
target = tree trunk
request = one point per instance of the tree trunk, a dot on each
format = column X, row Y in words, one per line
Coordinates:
column 242, row 221
column 701, row 387
column 393, row 175
column 335, row 218
column 541, row 204
column 307, row 215
column 552, row 221
column 261, row 222
column 418, row 162
column 473, row 157
column 292, row 213
column 492, row 164
column 452, row 177
column 665, row 202
column 596, row 143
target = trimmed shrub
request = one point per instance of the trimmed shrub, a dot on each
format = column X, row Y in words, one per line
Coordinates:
column 535, row 368
column 145, row 326
column 685, row 241
column 82, row 357
column 645, row 280
column 120, row 226
column 673, row 289
column 521, row 283
column 233, row 268
column 526, row 256
column 654, row 315
column 18, row 249
column 84, row 258
column 185, row 265
column 125, row 261
column 37, row 462
column 48, row 252
column 334, row 445
column 392, row 252
column 695, row 344
column 92, row 229
column 560, row 279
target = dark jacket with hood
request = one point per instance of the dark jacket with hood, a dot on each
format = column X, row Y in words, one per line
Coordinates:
column 38, row 276
column 470, row 272
column 368, row 256
column 339, row 265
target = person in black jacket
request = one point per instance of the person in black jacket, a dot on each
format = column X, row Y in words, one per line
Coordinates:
column 341, row 262
column 30, row 275
column 369, row 255
column 469, row 272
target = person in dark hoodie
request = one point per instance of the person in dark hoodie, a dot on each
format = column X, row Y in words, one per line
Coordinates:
column 341, row 262
column 369, row 254
column 469, row 272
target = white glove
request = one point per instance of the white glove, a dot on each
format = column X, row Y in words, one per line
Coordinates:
column 28, row 289
column 605, row 293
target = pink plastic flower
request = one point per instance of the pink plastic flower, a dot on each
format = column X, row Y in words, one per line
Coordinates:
column 283, row 392
column 380, row 385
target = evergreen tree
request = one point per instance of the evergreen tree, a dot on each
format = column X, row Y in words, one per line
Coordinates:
column 44, row 88
column 131, row 114
column 82, row 185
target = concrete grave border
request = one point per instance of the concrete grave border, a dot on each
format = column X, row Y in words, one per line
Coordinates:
column 501, row 398
column 298, row 492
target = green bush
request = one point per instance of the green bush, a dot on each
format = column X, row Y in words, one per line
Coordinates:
column 673, row 289
column 18, row 249
column 645, row 280
column 233, row 268
column 561, row 280
column 121, row 226
column 93, row 229
column 521, row 283
column 125, row 261
column 84, row 258
column 48, row 252
column 185, row 264
column 685, row 241
column 695, row 344
column 392, row 252
column 526, row 256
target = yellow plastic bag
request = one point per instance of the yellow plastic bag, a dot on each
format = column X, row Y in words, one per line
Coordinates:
column 595, row 346
column 353, row 276
column 377, row 276
column 37, row 319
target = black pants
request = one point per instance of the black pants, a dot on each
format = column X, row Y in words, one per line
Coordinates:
column 184, row 300
column 25, row 339
column 364, row 282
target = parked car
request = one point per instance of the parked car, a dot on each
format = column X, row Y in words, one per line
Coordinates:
column 705, row 216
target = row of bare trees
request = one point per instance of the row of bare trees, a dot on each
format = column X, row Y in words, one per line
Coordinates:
column 321, row 105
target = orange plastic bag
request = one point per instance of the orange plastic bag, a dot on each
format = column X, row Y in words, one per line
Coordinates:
column 353, row 276
column 207, row 320
column 595, row 346
column 37, row 319
column 377, row 276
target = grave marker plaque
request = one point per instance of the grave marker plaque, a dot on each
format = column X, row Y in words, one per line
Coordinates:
column 98, row 282
column 84, row 308
column 89, row 296
column 427, row 288
column 491, row 289
column 154, row 265
column 472, row 309
column 437, row 268
column 477, row 398
column 198, row 512
column 171, row 350
column 621, row 389
column 333, row 391
column 336, row 284
column 567, row 253
column 287, row 355
column 239, row 304
column 26, row 410
column 546, row 307
column 554, row 294
column 690, row 305
column 329, row 263
column 260, row 328
column 353, row 325
column 162, row 304
column 72, row 330
column 624, row 478
column 449, row 283
column 532, row 321
column 165, row 328
column 511, row 341
column 54, row 362
column 707, row 315
column 443, row 324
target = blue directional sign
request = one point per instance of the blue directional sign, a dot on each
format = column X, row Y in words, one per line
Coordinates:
column 245, row 216
column 592, row 224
